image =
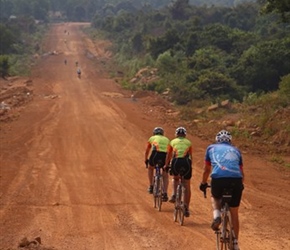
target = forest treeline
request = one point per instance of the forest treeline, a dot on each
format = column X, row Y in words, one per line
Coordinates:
column 225, row 49
column 201, row 52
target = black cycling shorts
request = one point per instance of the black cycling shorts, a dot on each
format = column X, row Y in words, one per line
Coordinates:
column 156, row 157
column 181, row 166
column 236, row 184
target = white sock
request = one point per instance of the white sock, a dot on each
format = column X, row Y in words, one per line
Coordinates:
column 216, row 213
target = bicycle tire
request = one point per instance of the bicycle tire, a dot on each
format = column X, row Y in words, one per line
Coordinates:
column 182, row 207
column 181, row 216
column 155, row 191
column 226, row 238
column 159, row 194
column 218, row 240
column 177, row 204
column 230, row 232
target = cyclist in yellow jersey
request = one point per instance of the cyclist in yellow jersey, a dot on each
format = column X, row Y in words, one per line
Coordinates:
column 157, row 145
column 180, row 155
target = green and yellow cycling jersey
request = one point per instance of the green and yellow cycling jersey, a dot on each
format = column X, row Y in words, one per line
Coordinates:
column 159, row 143
column 181, row 147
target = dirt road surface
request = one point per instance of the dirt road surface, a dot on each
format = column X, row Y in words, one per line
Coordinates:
column 72, row 170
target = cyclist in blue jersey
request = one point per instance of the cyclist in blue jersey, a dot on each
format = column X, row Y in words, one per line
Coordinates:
column 157, row 144
column 224, row 164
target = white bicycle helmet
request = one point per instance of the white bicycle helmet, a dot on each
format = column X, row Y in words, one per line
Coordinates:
column 223, row 136
column 158, row 131
column 180, row 131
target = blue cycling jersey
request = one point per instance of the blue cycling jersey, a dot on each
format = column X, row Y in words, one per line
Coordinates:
column 225, row 159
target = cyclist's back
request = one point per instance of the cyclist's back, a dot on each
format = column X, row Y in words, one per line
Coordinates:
column 225, row 160
column 157, row 144
column 180, row 155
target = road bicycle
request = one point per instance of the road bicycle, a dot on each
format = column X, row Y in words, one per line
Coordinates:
column 158, row 186
column 179, row 205
column 225, row 235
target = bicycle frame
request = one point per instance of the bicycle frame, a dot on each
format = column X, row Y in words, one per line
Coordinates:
column 158, row 186
column 225, row 235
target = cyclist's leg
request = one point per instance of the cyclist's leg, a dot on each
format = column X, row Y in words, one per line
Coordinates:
column 151, row 167
column 175, row 180
column 165, row 185
column 165, row 181
column 235, row 220
column 217, row 187
column 187, row 192
column 235, row 203
column 186, row 162
column 150, row 178
column 161, row 157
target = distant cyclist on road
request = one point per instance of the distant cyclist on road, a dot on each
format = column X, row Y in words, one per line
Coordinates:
column 223, row 162
column 79, row 72
column 157, row 144
column 180, row 156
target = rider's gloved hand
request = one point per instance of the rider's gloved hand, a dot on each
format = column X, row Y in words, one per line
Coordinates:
column 167, row 168
column 203, row 187
column 146, row 162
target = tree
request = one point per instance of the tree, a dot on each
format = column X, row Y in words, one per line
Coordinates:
column 261, row 66
column 4, row 66
column 278, row 6
column 179, row 9
column 163, row 43
column 217, row 35
column 7, row 40
column 137, row 42
column 217, row 85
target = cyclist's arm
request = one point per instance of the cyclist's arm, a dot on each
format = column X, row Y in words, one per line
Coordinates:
column 242, row 171
column 190, row 152
column 206, row 172
column 168, row 155
column 148, row 147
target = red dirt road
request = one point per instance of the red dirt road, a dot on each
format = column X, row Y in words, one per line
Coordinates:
column 72, row 171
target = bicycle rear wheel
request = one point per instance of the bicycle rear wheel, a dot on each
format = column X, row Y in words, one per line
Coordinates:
column 226, row 238
column 181, row 215
column 157, row 192
column 218, row 240
column 159, row 195
column 177, row 204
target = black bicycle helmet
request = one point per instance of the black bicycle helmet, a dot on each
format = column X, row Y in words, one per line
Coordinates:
column 158, row 131
column 223, row 136
column 180, row 131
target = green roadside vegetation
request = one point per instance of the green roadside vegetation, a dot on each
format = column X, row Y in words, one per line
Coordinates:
column 203, row 55
column 193, row 54
column 20, row 45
